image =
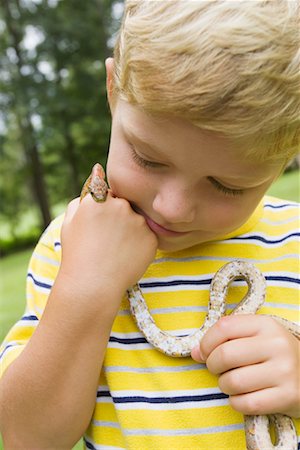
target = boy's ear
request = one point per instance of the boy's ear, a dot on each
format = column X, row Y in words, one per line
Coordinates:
column 109, row 64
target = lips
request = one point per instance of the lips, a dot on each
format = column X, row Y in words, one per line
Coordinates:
column 156, row 228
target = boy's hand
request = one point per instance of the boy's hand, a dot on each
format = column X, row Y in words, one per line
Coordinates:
column 258, row 363
column 106, row 247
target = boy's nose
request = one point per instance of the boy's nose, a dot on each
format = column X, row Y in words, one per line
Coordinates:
column 175, row 205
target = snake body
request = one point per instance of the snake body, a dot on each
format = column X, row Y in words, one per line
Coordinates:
column 257, row 428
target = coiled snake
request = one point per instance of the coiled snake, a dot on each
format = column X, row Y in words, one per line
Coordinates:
column 257, row 428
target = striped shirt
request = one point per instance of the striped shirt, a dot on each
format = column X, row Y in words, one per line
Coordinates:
column 145, row 399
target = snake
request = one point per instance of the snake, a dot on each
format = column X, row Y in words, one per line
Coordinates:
column 257, row 427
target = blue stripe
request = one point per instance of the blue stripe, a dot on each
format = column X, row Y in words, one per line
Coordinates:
column 31, row 317
column 6, row 348
column 262, row 239
column 179, row 399
column 88, row 444
column 39, row 283
column 175, row 283
column 279, row 278
column 103, row 394
column 128, row 341
column 138, row 340
column 154, row 284
column 284, row 205
column 182, row 399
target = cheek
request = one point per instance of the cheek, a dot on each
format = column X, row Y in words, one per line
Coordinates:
column 125, row 182
column 230, row 215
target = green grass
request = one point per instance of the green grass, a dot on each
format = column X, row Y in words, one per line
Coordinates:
column 12, row 289
column 13, row 267
column 287, row 186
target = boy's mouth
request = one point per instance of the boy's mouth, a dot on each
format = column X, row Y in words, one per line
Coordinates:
column 156, row 227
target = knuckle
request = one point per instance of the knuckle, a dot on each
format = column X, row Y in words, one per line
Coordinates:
column 204, row 350
column 224, row 325
column 287, row 370
column 235, row 381
column 224, row 355
column 231, row 383
column 122, row 207
column 281, row 344
column 251, row 405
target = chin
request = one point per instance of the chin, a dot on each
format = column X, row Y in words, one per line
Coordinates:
column 176, row 245
column 173, row 246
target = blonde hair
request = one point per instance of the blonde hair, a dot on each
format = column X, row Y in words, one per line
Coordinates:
column 229, row 66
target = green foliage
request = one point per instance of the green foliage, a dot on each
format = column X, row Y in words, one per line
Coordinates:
column 54, row 121
column 287, row 186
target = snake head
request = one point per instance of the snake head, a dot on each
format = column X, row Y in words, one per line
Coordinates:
column 95, row 184
column 98, row 171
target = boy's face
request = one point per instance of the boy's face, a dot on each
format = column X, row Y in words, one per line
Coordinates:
column 190, row 185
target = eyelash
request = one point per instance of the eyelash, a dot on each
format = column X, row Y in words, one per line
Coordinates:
column 141, row 161
column 225, row 190
column 146, row 164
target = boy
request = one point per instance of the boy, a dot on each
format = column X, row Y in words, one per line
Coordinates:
column 205, row 115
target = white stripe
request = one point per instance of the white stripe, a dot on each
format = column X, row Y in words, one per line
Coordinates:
column 269, row 305
column 169, row 406
column 184, row 431
column 179, row 332
column 170, row 432
column 104, row 400
column 280, row 222
column 281, row 273
column 226, row 259
column 27, row 323
column 280, row 306
column 120, row 346
column 282, row 284
column 155, row 369
column 103, row 387
column 45, row 259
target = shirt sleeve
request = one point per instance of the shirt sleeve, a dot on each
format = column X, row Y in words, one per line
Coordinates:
column 42, row 271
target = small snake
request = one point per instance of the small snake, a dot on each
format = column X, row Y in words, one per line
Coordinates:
column 257, row 428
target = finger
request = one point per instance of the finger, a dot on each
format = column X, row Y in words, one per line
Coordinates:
column 261, row 402
column 237, row 353
column 71, row 209
column 232, row 327
column 247, row 379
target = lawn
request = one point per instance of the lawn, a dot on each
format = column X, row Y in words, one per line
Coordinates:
column 13, row 267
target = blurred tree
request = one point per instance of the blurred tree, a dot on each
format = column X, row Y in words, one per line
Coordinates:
column 18, row 105
column 55, row 120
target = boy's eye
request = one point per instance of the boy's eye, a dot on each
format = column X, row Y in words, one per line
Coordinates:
column 142, row 161
column 224, row 189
